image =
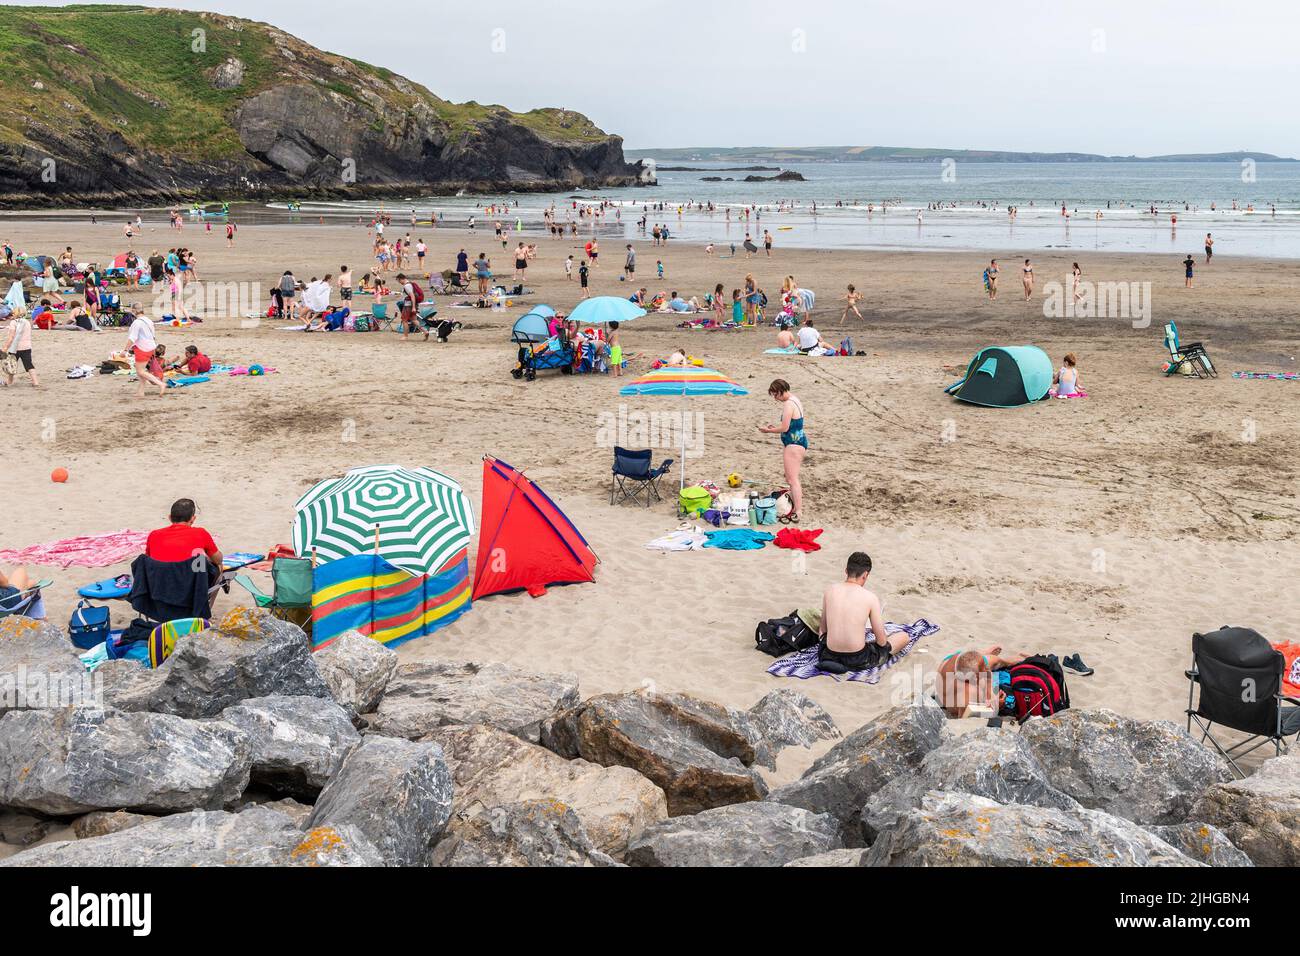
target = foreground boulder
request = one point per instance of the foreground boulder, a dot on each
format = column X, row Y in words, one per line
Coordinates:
column 357, row 670
column 1147, row 771
column 525, row 833
column 1261, row 814
column 396, row 792
column 1203, row 843
column 491, row 768
column 992, row 763
column 249, row 654
column 743, row 834
column 296, row 743
column 844, row 779
column 72, row 761
column 695, row 751
column 424, row 696
column 956, row 829
column 255, row 837
column 787, row 718
column 39, row 668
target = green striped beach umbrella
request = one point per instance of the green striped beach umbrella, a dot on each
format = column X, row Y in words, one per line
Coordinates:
column 416, row 518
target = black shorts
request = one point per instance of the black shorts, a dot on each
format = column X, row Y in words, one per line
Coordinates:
column 871, row 655
column 521, row 263
column 346, row 293
column 630, row 268
column 25, row 356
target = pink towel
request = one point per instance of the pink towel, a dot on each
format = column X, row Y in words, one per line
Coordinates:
column 87, row 551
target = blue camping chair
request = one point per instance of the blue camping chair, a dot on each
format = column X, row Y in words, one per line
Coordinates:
column 1189, row 355
column 633, row 476
column 26, row 603
column 379, row 317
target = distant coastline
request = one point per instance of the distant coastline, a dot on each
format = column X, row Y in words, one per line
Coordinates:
column 899, row 154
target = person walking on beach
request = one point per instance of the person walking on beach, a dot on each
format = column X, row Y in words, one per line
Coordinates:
column 629, row 266
column 1209, row 247
column 521, row 262
column 17, row 350
column 1076, row 274
column 584, row 273
column 751, row 297
column 483, row 270
column 230, row 235
column 1188, row 264
column 850, row 613
column 851, row 299
column 142, row 342
column 767, row 243
column 1027, row 279
column 794, row 442
column 991, row 279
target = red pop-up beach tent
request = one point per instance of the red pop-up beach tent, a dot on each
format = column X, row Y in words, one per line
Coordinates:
column 525, row 541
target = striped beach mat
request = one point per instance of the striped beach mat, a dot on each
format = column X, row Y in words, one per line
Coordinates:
column 1284, row 376
column 369, row 594
column 803, row 664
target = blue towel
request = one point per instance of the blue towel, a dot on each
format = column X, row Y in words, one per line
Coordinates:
column 737, row 539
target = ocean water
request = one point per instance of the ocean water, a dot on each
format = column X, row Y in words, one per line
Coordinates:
column 973, row 200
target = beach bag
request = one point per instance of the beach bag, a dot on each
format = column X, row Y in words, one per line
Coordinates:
column 738, row 512
column 784, row 635
column 1037, row 688
column 89, row 625
column 694, row 500
column 765, row 510
column 362, row 323
column 162, row 639
column 419, row 292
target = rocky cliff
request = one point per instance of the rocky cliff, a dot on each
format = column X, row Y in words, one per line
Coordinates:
column 138, row 105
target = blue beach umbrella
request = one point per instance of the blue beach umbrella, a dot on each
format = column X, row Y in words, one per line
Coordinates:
column 605, row 308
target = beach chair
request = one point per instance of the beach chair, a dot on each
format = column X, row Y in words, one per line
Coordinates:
column 379, row 317
column 291, row 589
column 632, row 475
column 1240, row 679
column 1189, row 355
column 26, row 603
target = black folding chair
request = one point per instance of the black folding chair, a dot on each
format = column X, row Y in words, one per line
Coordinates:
column 633, row 476
column 1240, row 676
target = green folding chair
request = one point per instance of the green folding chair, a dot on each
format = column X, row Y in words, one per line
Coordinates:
column 379, row 317
column 291, row 589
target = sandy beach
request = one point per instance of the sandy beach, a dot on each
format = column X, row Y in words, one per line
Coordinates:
column 1113, row 526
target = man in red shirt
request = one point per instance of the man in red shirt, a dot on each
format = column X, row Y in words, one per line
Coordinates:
column 195, row 362
column 181, row 540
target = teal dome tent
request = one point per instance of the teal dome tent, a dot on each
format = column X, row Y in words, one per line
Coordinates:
column 1005, row 376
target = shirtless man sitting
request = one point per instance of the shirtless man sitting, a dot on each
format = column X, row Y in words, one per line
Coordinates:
column 849, row 610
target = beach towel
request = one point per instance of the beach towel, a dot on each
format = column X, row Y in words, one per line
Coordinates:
column 683, row 539
column 186, row 380
column 737, row 539
column 799, row 539
column 1291, row 671
column 790, row 350
column 803, row 664
column 85, row 551
column 1055, row 388
column 1284, row 376
column 162, row 640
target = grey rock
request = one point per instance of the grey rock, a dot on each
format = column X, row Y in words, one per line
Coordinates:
column 1204, row 843
column 787, row 718
column 23, row 829
column 492, row 768
column 103, row 822
column 249, row 654
column 1261, row 814
column 72, row 761
column 398, row 793
column 844, row 779
column 423, row 696
column 39, row 668
column 299, row 813
column 695, row 751
column 296, row 743
column 357, row 669
column 228, row 74
column 957, row 829
column 987, row 762
column 255, row 837
column 850, row 857
column 1147, row 771
column 743, row 834
column 524, row 833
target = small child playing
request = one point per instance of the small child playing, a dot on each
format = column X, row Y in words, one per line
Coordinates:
column 659, row 266
column 851, row 300
column 737, row 308
column 568, row 268
column 583, row 272
column 1066, row 380
column 615, row 351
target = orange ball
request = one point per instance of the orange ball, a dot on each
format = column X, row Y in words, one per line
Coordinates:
column 59, row 474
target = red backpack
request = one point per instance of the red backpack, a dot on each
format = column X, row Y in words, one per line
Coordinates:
column 1037, row 688
column 419, row 292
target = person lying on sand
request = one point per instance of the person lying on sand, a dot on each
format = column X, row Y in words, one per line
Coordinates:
column 849, row 610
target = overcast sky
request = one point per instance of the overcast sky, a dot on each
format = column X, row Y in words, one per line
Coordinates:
column 1106, row 76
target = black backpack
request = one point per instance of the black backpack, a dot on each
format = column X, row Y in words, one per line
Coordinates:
column 784, row 635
